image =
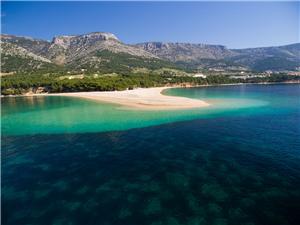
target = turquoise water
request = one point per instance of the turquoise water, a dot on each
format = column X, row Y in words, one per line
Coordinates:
column 35, row 115
column 72, row 161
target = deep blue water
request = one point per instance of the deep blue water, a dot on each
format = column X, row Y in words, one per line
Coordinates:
column 241, row 169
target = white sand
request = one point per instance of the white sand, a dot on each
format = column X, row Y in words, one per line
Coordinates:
column 142, row 98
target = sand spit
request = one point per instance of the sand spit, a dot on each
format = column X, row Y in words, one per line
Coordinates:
column 141, row 98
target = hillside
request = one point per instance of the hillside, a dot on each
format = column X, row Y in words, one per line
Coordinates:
column 101, row 52
column 16, row 58
column 218, row 56
column 98, row 52
column 186, row 52
column 269, row 58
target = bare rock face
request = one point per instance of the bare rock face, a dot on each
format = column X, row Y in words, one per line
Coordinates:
column 63, row 41
column 66, row 49
column 100, row 36
column 186, row 52
column 86, row 39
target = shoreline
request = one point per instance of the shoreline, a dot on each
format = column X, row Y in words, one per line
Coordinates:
column 141, row 98
column 146, row 98
column 237, row 84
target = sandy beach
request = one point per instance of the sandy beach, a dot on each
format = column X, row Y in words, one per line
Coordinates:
column 142, row 98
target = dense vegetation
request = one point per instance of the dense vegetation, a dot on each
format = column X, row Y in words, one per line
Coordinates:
column 11, row 63
column 22, row 83
column 275, row 63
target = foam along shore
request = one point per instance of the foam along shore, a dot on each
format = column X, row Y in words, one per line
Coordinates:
column 142, row 98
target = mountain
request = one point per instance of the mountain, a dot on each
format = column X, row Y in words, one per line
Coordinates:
column 105, row 53
column 186, row 52
column 218, row 56
column 77, row 47
column 17, row 58
column 269, row 58
column 78, row 52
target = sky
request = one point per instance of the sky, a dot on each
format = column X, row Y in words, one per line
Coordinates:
column 233, row 24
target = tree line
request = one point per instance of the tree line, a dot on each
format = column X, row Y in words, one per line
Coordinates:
column 22, row 83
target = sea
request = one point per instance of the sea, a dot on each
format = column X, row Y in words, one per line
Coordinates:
column 71, row 161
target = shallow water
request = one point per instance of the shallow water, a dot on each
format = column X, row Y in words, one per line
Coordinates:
column 52, row 114
column 222, row 165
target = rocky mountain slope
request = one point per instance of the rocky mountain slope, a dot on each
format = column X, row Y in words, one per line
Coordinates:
column 70, row 50
column 269, row 58
column 186, row 52
column 15, row 50
column 71, row 47
column 100, row 51
column 212, row 56
column 17, row 58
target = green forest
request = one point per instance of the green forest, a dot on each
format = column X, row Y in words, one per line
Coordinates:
column 53, row 83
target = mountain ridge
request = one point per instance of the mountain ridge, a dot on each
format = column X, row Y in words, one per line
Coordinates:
column 65, row 50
